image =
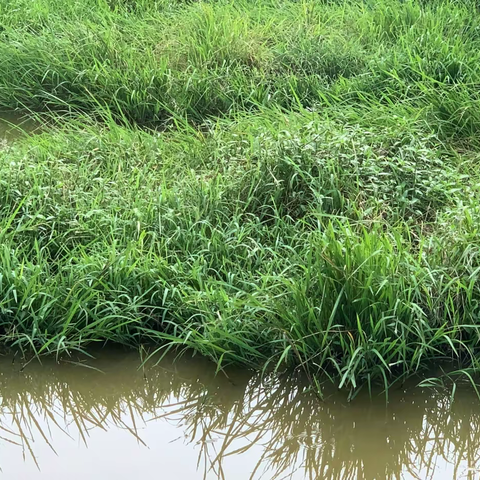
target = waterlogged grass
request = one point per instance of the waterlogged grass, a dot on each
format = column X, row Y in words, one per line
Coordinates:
column 272, row 184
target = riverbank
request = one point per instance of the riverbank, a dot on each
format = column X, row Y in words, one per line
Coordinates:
column 269, row 184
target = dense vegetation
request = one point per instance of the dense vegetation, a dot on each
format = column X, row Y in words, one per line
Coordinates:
column 270, row 183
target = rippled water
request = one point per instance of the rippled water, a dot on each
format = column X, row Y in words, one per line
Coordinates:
column 181, row 421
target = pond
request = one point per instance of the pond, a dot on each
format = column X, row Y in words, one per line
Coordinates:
column 112, row 418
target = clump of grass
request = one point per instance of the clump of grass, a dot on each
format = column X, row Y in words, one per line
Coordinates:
column 245, row 242
column 270, row 184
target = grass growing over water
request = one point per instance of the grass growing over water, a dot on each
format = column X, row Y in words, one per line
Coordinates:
column 269, row 183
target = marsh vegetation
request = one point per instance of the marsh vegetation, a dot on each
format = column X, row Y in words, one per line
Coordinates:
column 271, row 184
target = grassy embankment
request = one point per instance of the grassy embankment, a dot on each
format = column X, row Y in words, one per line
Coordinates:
column 267, row 183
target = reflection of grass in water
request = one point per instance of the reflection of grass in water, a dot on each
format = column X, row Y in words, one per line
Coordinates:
column 329, row 440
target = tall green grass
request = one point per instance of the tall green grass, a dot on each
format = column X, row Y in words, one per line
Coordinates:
column 272, row 184
column 149, row 61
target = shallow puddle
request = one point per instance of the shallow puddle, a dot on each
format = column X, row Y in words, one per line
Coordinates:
column 14, row 125
column 180, row 421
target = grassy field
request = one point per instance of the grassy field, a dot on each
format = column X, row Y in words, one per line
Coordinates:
column 274, row 184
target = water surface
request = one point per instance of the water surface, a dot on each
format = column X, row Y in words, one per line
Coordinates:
column 181, row 421
column 13, row 125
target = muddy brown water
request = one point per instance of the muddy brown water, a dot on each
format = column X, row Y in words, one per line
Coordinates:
column 178, row 420
column 13, row 125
